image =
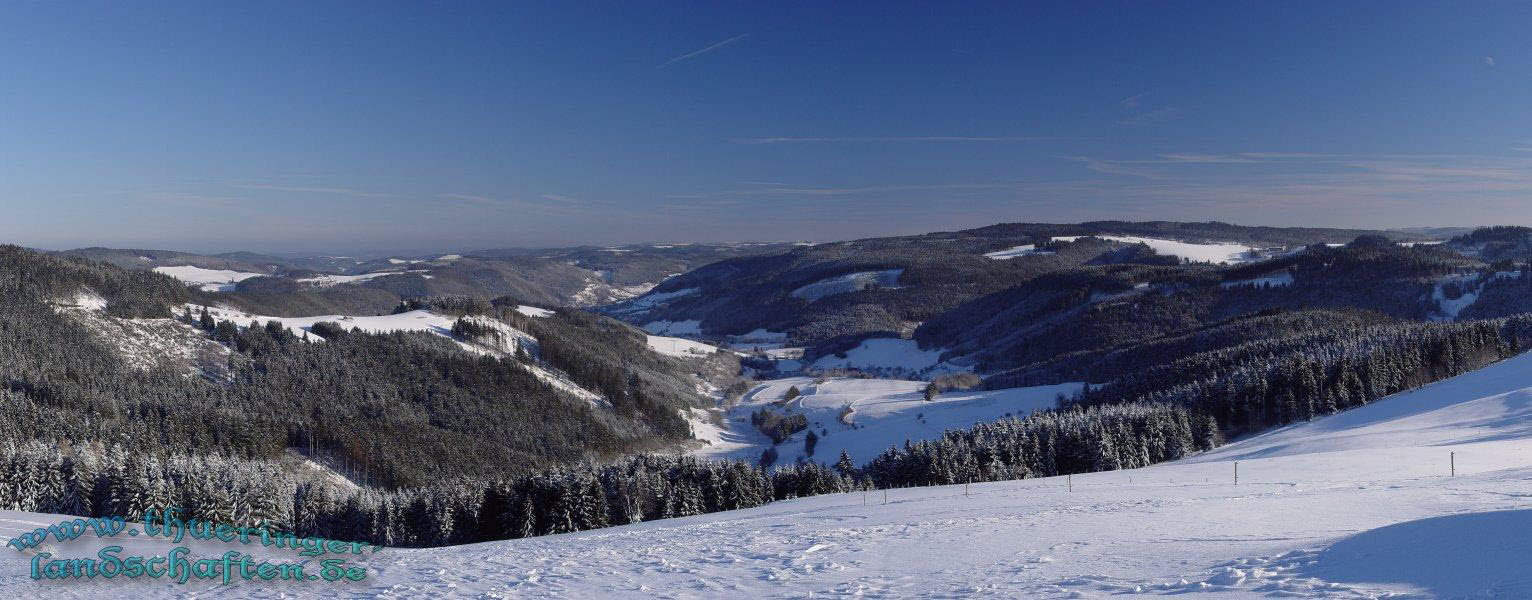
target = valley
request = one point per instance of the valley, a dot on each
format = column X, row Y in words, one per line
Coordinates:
column 778, row 390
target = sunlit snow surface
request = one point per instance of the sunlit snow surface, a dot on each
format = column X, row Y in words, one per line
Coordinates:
column 533, row 311
column 329, row 280
column 1356, row 505
column 1010, row 253
column 674, row 346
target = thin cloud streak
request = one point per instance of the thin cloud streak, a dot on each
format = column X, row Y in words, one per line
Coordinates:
column 1158, row 116
column 339, row 191
column 697, row 53
column 844, row 191
column 899, row 139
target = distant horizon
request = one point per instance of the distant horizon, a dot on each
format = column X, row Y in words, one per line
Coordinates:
column 418, row 252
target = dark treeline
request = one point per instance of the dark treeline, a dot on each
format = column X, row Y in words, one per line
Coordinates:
column 89, row 480
column 1118, row 361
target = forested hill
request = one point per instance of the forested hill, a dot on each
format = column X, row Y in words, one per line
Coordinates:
column 1113, row 308
column 95, row 355
column 888, row 286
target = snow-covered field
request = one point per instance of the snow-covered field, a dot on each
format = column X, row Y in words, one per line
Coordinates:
column 1010, row 253
column 674, row 346
column 209, row 280
column 883, row 353
column 1213, row 253
column 864, row 417
column 329, row 280
column 533, row 311
column 1356, row 505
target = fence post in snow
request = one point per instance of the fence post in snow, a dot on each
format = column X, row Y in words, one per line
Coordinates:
column 965, row 488
column 1236, row 472
column 1069, row 478
column 1452, row 463
column 885, row 496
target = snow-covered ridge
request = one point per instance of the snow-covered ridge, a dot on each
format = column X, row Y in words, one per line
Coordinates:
column 209, row 280
column 850, row 282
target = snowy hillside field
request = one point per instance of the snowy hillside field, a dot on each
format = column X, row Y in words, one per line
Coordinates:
column 210, row 280
column 864, row 417
column 1210, row 253
column 1355, row 505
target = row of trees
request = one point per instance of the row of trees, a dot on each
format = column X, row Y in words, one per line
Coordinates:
column 92, row 480
column 1049, row 443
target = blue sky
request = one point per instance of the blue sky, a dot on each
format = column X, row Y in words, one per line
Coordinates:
column 374, row 126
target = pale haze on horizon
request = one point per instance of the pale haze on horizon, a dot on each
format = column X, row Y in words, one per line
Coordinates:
column 375, row 127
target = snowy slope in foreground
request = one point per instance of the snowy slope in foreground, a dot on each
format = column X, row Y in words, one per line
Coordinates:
column 1355, row 505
